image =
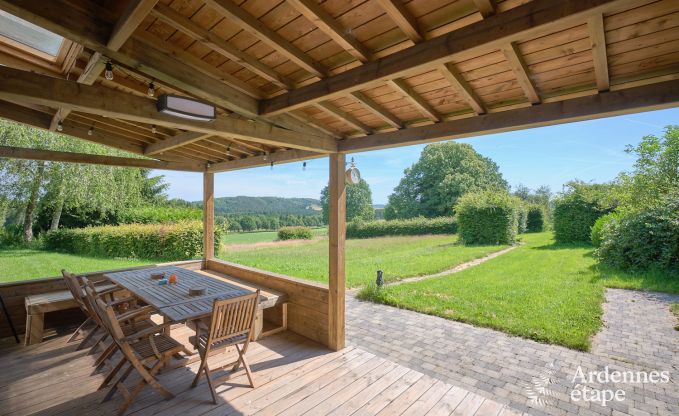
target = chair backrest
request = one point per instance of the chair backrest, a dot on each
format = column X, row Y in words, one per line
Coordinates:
column 105, row 312
column 76, row 290
column 233, row 317
column 90, row 301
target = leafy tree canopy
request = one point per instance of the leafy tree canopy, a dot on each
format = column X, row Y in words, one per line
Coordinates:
column 444, row 172
column 359, row 202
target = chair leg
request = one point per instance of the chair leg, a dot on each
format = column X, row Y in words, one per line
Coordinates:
column 80, row 329
column 209, row 383
column 120, row 381
column 97, row 343
column 101, row 360
column 87, row 338
column 203, row 362
column 151, row 380
column 241, row 357
column 112, row 373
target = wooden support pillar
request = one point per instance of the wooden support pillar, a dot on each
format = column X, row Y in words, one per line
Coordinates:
column 336, row 237
column 208, row 217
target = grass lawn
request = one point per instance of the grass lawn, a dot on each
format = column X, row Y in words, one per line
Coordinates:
column 398, row 257
column 261, row 236
column 25, row 264
column 543, row 291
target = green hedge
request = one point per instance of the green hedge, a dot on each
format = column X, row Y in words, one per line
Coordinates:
column 159, row 215
column 521, row 216
column 488, row 217
column 648, row 239
column 576, row 210
column 413, row 226
column 179, row 241
column 603, row 222
column 537, row 219
column 295, row 233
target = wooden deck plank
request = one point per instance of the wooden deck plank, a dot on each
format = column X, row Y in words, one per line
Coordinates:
column 293, row 376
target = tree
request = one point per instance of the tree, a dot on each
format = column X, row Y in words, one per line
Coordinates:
column 359, row 202
column 444, row 172
column 655, row 174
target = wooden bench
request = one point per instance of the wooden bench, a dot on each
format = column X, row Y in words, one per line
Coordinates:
column 38, row 305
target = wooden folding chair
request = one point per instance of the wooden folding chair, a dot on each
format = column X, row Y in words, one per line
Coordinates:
column 146, row 351
column 76, row 289
column 232, row 323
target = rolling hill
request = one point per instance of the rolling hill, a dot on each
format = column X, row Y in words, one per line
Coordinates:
column 265, row 205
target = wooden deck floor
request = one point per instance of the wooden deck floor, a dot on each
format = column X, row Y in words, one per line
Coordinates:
column 294, row 376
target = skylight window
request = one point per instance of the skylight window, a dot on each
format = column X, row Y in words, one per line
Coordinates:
column 30, row 35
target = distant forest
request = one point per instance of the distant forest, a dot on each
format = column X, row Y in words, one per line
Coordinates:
column 265, row 205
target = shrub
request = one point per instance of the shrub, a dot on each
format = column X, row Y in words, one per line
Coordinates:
column 179, row 241
column 647, row 239
column 596, row 234
column 295, row 233
column 521, row 216
column 576, row 210
column 159, row 214
column 413, row 226
column 488, row 217
column 536, row 219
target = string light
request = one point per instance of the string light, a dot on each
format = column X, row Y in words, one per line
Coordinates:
column 304, row 166
column 60, row 126
column 90, row 131
column 152, row 90
column 264, row 157
column 108, row 74
column 272, row 165
column 153, row 128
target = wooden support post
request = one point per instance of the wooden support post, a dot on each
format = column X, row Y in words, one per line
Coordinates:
column 208, row 217
column 336, row 237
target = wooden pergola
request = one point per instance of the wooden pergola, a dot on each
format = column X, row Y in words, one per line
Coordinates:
column 300, row 79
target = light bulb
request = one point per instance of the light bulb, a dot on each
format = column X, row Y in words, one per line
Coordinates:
column 264, row 157
column 90, row 131
column 108, row 74
column 152, row 90
column 153, row 128
column 60, row 126
column 304, row 166
column 272, row 165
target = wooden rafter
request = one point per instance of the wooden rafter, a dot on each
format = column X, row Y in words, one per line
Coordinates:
column 219, row 45
column 453, row 76
column 287, row 156
column 419, row 103
column 486, row 7
column 597, row 37
column 649, row 97
column 37, row 89
column 54, row 156
column 305, row 118
column 173, row 142
column 532, row 19
column 345, row 117
column 325, row 22
column 513, row 55
column 376, row 109
column 268, row 36
column 403, row 19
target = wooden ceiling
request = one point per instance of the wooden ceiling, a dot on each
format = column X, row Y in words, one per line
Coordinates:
column 298, row 79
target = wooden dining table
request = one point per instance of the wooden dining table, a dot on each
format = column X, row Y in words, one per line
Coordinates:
column 174, row 302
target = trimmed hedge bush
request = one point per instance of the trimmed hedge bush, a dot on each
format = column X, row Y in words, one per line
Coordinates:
column 648, row 239
column 488, row 217
column 179, row 241
column 521, row 217
column 295, row 233
column 596, row 234
column 536, row 219
column 413, row 226
column 576, row 210
column 159, row 215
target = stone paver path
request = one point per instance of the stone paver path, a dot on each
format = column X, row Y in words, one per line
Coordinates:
column 532, row 377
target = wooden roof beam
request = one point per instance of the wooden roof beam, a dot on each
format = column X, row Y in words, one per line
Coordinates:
column 287, row 156
column 486, row 7
column 403, row 19
column 595, row 25
column 219, row 45
column 376, row 109
column 325, row 22
column 268, row 36
column 520, row 69
column 182, row 139
column 612, row 103
column 532, row 19
column 345, row 117
column 69, row 157
column 453, row 76
column 420, row 103
column 23, row 86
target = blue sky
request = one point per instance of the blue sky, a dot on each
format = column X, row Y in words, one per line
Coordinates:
column 589, row 150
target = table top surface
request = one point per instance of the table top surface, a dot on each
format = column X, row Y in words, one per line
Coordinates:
column 173, row 300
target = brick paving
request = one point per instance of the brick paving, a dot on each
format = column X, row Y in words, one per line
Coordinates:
column 638, row 336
